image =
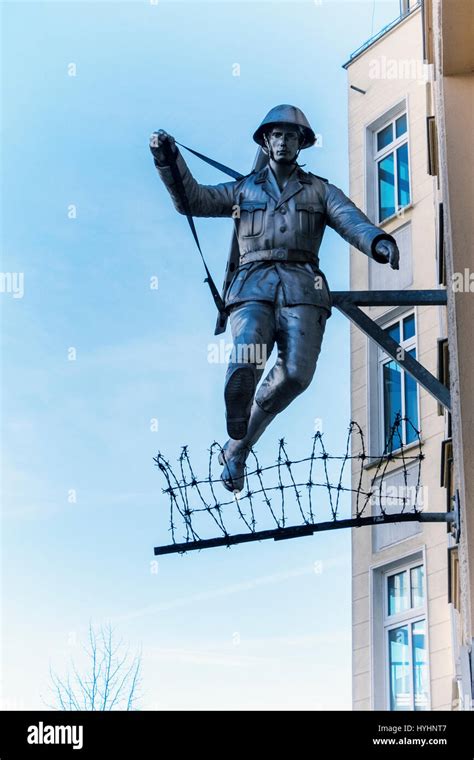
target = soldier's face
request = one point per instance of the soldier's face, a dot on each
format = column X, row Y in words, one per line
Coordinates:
column 284, row 143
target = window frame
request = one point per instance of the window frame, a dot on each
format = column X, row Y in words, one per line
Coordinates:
column 379, row 155
column 399, row 106
column 382, row 359
column 376, row 642
column 406, row 618
column 399, row 617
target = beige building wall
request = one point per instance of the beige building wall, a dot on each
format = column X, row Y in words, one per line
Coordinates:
column 391, row 70
column 449, row 48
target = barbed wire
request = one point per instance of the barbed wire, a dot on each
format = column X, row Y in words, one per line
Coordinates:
column 192, row 498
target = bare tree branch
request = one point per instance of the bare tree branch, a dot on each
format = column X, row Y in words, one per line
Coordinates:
column 111, row 681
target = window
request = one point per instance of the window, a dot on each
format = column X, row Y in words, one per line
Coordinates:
column 441, row 254
column 432, row 140
column 399, row 392
column 405, row 638
column 392, row 169
column 399, row 634
column 443, row 368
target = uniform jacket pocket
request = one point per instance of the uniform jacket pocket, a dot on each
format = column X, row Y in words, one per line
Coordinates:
column 252, row 218
column 310, row 218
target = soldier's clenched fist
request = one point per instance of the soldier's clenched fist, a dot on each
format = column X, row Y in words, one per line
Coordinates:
column 389, row 251
column 162, row 145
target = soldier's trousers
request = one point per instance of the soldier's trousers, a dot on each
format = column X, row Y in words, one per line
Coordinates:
column 297, row 331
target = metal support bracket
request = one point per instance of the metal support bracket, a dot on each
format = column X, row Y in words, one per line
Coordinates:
column 348, row 303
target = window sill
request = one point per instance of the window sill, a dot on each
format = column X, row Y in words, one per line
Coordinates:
column 397, row 216
column 374, row 461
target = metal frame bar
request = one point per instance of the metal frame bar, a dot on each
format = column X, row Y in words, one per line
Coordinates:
column 298, row 531
column 436, row 297
column 348, row 302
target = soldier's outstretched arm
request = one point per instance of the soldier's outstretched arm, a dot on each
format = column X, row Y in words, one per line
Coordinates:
column 204, row 200
column 357, row 229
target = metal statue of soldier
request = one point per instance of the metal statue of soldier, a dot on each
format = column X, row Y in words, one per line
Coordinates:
column 277, row 294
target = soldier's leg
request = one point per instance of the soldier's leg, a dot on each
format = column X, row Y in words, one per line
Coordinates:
column 299, row 335
column 253, row 332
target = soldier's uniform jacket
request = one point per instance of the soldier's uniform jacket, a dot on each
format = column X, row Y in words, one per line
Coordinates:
column 279, row 233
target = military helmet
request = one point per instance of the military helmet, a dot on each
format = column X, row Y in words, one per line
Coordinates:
column 286, row 114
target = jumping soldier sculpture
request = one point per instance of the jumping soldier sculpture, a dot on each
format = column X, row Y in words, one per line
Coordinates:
column 278, row 294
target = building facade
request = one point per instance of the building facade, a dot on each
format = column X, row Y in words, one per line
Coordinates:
column 412, row 626
column 448, row 49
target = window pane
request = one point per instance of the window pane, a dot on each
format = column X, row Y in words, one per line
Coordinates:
column 420, row 668
column 409, row 327
column 384, row 137
column 386, row 186
column 411, row 405
column 401, row 125
column 392, row 400
column 394, row 331
column 416, row 583
column 398, row 593
column 402, row 170
column 399, row 665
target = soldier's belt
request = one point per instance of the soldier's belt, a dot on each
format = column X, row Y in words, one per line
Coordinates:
column 278, row 254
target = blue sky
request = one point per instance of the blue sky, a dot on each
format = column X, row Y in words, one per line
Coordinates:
column 256, row 626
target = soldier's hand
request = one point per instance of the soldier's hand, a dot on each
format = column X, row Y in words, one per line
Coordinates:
column 388, row 251
column 160, row 143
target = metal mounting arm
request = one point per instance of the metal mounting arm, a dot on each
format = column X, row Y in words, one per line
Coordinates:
column 348, row 302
